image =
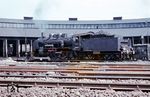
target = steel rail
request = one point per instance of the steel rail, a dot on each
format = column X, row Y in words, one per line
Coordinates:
column 72, row 69
column 120, row 73
column 117, row 87
column 79, row 77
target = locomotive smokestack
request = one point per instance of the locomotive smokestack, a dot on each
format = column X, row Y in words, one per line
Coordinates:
column 42, row 35
column 50, row 35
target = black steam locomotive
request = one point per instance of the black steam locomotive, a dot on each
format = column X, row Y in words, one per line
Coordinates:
column 85, row 46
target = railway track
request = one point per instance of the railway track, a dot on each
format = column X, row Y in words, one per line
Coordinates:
column 79, row 77
column 74, row 68
column 70, row 85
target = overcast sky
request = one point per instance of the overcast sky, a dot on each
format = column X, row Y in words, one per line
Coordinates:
column 82, row 9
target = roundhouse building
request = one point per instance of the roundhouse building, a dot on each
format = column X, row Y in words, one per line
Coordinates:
column 17, row 35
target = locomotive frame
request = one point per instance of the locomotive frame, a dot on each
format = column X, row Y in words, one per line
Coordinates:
column 79, row 47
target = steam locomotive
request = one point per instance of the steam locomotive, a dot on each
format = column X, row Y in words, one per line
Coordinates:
column 85, row 46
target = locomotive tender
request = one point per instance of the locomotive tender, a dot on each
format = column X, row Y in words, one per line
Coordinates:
column 85, row 46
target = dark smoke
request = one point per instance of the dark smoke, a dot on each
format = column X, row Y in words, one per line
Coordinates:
column 41, row 9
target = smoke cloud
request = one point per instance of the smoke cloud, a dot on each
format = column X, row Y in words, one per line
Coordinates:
column 44, row 8
column 40, row 9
